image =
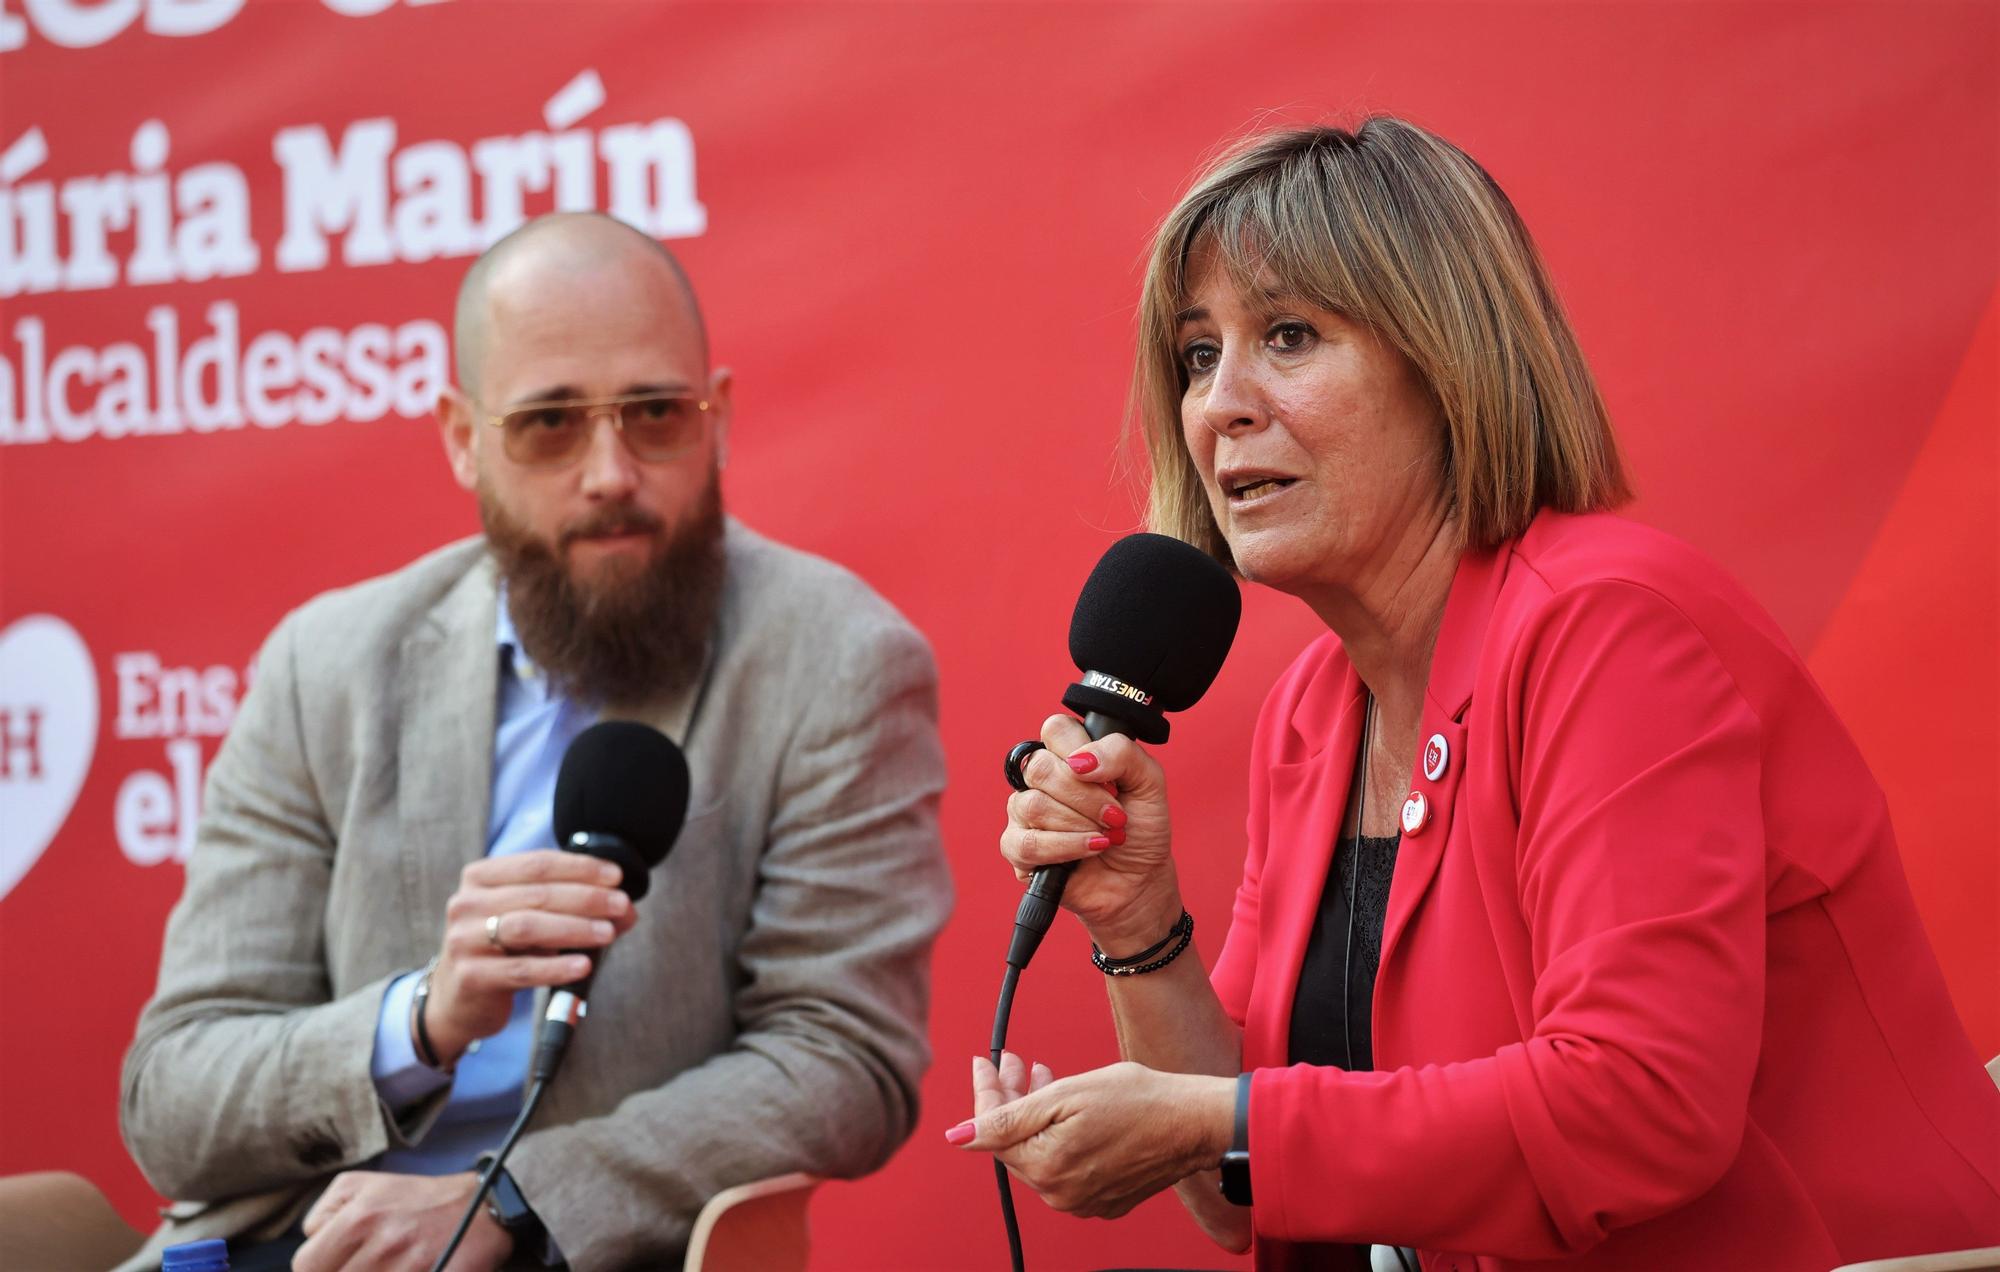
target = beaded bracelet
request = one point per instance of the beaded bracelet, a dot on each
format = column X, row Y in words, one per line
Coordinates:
column 1149, row 959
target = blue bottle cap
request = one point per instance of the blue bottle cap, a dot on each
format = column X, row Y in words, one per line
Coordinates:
column 211, row 1255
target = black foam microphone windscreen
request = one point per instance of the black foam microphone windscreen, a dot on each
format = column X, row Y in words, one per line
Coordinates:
column 623, row 783
column 1152, row 627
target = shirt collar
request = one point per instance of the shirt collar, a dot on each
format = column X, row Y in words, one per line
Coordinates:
column 512, row 655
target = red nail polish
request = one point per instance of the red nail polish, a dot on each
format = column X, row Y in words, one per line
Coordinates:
column 1098, row 843
column 1113, row 816
column 1116, row 836
column 1083, row 762
column 963, row 1133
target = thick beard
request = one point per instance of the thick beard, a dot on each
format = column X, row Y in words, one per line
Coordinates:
column 627, row 637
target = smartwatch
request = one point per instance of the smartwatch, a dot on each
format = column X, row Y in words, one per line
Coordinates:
column 510, row 1210
column 1236, row 1162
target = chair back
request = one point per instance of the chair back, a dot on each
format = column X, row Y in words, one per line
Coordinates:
column 754, row 1227
column 55, row 1221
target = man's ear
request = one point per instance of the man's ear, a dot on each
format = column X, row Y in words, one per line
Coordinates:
column 456, row 423
column 720, row 381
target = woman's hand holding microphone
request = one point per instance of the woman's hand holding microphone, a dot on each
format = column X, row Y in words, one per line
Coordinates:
column 1102, row 805
column 1098, row 1143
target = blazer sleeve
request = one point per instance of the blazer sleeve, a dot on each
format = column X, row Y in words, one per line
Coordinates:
column 246, row 1073
column 823, row 1075
column 1640, row 876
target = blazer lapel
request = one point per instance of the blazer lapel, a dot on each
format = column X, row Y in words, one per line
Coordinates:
column 1440, row 759
column 1312, row 794
column 450, row 673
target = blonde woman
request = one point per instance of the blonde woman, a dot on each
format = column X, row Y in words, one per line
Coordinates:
column 1572, row 926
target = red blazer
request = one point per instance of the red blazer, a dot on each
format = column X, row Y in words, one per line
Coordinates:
column 1653, row 992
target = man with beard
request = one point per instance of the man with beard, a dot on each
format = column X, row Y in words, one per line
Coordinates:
column 348, row 989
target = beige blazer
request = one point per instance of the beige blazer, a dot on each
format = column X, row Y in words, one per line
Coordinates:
column 767, row 1013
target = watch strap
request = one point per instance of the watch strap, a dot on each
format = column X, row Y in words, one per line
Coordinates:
column 1236, row 1162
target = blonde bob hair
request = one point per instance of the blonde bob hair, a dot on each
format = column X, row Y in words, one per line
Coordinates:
column 1399, row 230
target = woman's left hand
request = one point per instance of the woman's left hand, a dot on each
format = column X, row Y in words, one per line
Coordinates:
column 1101, row 1142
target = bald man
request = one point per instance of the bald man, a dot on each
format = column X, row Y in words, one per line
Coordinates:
column 374, row 905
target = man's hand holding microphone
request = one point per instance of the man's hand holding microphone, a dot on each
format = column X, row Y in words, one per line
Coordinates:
column 522, row 921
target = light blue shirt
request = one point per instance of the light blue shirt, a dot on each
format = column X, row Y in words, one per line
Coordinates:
column 532, row 730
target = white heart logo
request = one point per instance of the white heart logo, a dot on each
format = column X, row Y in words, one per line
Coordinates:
column 48, row 730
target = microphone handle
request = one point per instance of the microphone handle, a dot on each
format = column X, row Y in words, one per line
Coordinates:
column 1100, row 726
column 1044, row 895
column 568, row 1005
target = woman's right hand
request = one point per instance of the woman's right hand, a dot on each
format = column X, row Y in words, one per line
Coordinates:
column 1102, row 805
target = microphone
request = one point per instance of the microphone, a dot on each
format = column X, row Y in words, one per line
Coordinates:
column 621, row 796
column 1152, row 627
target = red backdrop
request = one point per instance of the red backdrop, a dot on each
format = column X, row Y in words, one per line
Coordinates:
column 917, row 231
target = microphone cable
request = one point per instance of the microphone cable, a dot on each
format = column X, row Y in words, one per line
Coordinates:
column 492, row 1171
column 1001, row 1011
column 1152, row 627
column 1032, row 919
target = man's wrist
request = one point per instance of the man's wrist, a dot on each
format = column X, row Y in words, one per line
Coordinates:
column 421, row 1040
column 508, row 1210
column 448, row 1043
column 402, row 1080
column 496, row 1233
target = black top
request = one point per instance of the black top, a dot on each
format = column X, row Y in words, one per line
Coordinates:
column 1317, row 1036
